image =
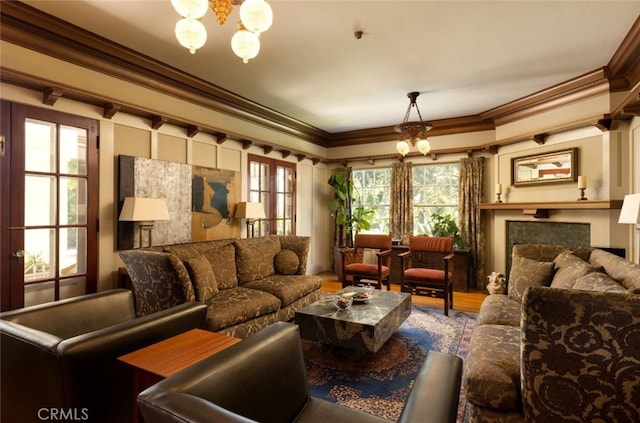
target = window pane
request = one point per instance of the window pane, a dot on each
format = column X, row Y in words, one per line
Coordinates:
column 73, row 243
column 435, row 191
column 39, row 200
column 73, row 197
column 373, row 191
column 73, row 150
column 264, row 177
column 72, row 287
column 40, row 146
column 39, row 258
column 254, row 172
column 39, row 293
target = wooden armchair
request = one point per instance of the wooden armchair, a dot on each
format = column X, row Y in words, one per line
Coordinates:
column 425, row 268
column 353, row 273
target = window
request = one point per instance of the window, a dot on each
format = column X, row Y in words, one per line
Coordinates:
column 273, row 183
column 435, row 190
column 373, row 190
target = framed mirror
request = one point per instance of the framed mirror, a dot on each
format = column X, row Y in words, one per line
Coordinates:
column 555, row 167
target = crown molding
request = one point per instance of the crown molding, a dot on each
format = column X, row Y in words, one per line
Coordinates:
column 38, row 31
column 30, row 28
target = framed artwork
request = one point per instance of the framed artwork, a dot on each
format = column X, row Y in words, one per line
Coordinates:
column 554, row 167
column 200, row 200
column 215, row 193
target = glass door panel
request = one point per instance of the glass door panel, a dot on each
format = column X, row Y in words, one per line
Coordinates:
column 55, row 211
column 51, row 220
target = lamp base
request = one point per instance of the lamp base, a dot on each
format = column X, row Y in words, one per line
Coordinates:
column 146, row 226
column 582, row 197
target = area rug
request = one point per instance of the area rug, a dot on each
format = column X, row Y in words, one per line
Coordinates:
column 380, row 384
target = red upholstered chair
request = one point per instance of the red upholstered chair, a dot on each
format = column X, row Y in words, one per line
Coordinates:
column 353, row 273
column 426, row 268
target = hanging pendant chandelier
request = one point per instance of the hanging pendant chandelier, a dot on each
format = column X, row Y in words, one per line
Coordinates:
column 256, row 17
column 413, row 133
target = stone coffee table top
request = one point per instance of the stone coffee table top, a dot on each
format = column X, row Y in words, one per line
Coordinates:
column 364, row 327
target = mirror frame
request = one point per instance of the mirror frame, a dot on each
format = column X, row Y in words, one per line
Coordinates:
column 569, row 156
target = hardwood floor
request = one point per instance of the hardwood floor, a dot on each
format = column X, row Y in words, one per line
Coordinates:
column 462, row 301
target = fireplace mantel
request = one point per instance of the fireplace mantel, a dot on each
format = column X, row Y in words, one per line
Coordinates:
column 541, row 209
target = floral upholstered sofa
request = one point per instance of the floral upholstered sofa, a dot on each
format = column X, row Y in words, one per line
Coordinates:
column 247, row 284
column 563, row 344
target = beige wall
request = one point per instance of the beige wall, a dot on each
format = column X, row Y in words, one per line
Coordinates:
column 610, row 160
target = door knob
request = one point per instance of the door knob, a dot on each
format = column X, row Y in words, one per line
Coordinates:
column 18, row 255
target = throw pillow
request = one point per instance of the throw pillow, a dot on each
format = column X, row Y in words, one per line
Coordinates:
column 204, row 280
column 183, row 277
column 568, row 269
column 287, row 262
column 223, row 263
column 526, row 273
column 255, row 257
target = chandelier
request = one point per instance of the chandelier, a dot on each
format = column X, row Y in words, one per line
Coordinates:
column 414, row 132
column 256, row 17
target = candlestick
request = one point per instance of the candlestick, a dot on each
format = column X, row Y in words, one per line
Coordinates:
column 582, row 185
column 582, row 181
column 498, row 192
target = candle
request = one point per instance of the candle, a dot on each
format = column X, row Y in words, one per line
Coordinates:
column 582, row 181
column 498, row 188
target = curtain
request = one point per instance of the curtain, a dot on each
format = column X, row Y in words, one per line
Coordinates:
column 401, row 207
column 471, row 192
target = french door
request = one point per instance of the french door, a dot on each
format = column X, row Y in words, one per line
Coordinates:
column 273, row 184
column 49, row 229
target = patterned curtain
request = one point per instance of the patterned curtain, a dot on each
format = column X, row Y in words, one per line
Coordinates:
column 471, row 192
column 401, row 210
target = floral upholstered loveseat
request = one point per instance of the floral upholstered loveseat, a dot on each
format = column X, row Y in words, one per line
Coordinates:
column 247, row 284
column 563, row 344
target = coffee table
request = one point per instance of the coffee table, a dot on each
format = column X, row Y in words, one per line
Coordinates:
column 364, row 327
column 158, row 361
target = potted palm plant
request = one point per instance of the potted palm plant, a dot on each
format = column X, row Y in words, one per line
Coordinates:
column 350, row 215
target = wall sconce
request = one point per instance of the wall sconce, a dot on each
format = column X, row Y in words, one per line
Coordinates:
column 251, row 212
column 144, row 211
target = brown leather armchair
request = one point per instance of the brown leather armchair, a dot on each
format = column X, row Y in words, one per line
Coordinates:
column 355, row 271
column 263, row 379
column 61, row 357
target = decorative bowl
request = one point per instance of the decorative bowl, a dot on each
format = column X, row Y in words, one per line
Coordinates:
column 344, row 302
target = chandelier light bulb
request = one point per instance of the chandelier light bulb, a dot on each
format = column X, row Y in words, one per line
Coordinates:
column 256, row 15
column 402, row 147
column 245, row 44
column 191, row 34
column 194, row 9
column 423, row 146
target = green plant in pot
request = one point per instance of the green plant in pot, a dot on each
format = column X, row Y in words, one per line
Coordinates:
column 350, row 218
column 446, row 225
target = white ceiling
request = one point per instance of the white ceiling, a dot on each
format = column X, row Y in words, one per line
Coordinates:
column 464, row 57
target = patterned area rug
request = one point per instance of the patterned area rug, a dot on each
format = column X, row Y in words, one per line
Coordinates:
column 379, row 384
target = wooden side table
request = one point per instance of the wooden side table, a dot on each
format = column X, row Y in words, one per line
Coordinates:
column 165, row 358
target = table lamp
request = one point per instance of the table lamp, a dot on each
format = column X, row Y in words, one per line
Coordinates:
column 251, row 212
column 630, row 213
column 144, row 211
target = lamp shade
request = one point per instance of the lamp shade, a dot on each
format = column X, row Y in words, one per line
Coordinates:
column 194, row 9
column 138, row 209
column 247, row 210
column 245, row 44
column 630, row 212
column 256, row 15
column 191, row 34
